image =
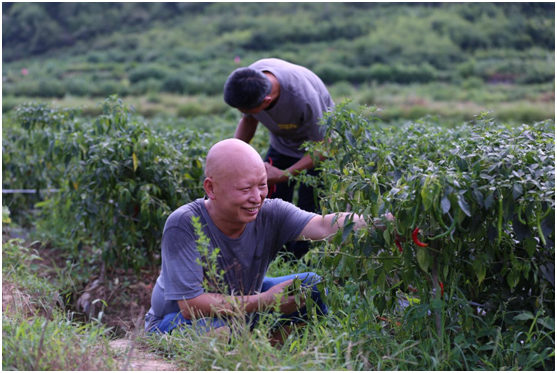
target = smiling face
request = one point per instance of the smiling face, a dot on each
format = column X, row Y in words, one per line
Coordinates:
column 236, row 184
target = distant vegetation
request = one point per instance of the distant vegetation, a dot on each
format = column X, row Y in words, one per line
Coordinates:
column 75, row 51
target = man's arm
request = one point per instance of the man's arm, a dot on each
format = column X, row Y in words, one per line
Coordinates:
column 246, row 128
column 323, row 227
column 214, row 304
column 276, row 175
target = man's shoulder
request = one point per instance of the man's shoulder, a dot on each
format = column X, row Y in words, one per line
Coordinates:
column 271, row 204
column 277, row 206
column 183, row 214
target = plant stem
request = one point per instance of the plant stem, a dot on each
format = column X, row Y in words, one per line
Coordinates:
column 435, row 279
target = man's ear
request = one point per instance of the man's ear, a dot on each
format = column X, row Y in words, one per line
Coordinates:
column 209, row 187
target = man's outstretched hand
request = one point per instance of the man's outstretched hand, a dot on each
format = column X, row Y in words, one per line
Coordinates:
column 275, row 175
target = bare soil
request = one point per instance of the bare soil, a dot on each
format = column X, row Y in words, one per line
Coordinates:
column 126, row 296
column 133, row 357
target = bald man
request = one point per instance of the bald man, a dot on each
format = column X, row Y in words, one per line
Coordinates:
column 248, row 230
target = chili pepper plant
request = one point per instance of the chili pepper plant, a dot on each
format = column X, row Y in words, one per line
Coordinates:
column 474, row 208
column 118, row 179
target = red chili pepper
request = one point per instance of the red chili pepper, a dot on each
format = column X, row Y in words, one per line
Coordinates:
column 442, row 289
column 416, row 240
column 272, row 188
column 397, row 243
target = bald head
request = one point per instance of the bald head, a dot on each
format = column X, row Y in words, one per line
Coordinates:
column 231, row 156
column 235, row 185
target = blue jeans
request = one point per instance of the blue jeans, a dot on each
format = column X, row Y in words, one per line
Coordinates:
column 309, row 279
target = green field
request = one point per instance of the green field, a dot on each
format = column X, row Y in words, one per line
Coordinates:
column 451, row 60
column 445, row 117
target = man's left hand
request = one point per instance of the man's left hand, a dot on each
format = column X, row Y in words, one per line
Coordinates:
column 275, row 175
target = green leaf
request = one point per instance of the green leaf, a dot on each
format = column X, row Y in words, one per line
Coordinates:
column 464, row 205
column 436, row 304
column 512, row 278
column 445, row 205
column 479, row 268
column 422, row 255
column 517, row 191
column 547, row 322
column 526, row 315
column 380, row 302
column 530, row 245
column 348, row 228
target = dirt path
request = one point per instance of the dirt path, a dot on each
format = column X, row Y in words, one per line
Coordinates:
column 132, row 357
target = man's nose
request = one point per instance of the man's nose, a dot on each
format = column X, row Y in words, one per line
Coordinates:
column 257, row 195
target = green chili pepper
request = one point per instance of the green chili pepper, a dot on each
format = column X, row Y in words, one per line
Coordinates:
column 439, row 217
column 519, row 214
column 538, row 225
column 449, row 230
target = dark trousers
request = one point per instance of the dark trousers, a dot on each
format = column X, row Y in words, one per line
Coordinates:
column 285, row 191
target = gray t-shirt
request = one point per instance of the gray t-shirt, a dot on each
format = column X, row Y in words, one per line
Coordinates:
column 244, row 259
column 295, row 116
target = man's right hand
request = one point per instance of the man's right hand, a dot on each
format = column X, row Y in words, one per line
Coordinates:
column 212, row 304
column 288, row 303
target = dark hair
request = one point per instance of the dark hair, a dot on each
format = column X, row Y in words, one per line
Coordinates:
column 246, row 88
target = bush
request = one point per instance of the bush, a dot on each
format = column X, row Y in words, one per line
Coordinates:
column 9, row 103
column 147, row 71
column 51, row 88
column 120, row 181
column 78, row 87
column 191, row 109
column 42, row 87
column 482, row 195
column 175, row 84
column 107, row 88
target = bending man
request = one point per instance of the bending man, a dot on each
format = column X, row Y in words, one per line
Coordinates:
column 290, row 101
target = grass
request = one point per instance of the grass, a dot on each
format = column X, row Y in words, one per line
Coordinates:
column 54, row 343
column 354, row 336
column 37, row 334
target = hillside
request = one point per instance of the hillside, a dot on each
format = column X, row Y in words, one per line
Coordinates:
column 377, row 54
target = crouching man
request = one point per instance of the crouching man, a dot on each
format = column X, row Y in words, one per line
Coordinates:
column 248, row 230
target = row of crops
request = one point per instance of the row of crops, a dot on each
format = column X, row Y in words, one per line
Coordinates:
column 475, row 209
column 474, row 206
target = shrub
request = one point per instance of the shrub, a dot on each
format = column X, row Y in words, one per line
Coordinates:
column 78, row 87
column 191, row 109
column 175, row 84
column 121, row 180
column 147, row 71
column 481, row 193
